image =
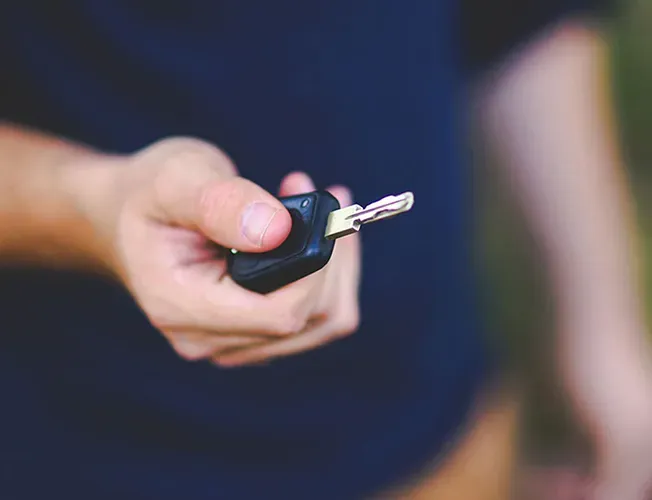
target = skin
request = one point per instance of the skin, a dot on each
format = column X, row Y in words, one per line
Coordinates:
column 150, row 221
column 145, row 220
column 547, row 113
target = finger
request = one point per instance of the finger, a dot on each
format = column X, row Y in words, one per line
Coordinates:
column 343, row 321
column 343, row 195
column 194, row 346
column 202, row 297
column 236, row 213
column 195, row 190
column 229, row 308
column 296, row 183
column 304, row 341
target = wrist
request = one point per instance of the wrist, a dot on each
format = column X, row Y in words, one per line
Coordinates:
column 95, row 187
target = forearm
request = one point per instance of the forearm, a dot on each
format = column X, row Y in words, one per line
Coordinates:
column 550, row 117
column 46, row 184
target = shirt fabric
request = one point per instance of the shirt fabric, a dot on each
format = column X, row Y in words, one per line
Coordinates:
column 96, row 405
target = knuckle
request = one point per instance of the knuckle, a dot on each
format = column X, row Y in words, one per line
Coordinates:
column 347, row 324
column 172, row 167
column 187, row 145
column 205, row 156
column 178, row 153
column 291, row 312
column 301, row 317
column 288, row 323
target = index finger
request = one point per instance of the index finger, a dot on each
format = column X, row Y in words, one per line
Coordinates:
column 218, row 304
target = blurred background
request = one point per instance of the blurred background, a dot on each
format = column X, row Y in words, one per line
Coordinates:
column 517, row 303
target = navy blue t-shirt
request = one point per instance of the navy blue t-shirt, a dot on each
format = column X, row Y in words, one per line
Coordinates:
column 95, row 404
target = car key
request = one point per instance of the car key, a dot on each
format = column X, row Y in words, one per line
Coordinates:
column 317, row 221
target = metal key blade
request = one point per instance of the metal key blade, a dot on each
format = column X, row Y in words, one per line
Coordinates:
column 384, row 208
column 348, row 220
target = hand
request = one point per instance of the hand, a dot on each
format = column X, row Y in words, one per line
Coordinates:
column 336, row 311
column 176, row 206
column 571, row 483
column 625, row 468
column 613, row 396
column 623, row 434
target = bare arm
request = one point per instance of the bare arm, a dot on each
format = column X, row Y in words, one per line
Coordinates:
column 548, row 112
column 45, row 185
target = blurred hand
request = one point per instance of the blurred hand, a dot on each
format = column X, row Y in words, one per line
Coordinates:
column 625, row 469
column 177, row 206
column 617, row 408
column 623, row 432
column 568, row 483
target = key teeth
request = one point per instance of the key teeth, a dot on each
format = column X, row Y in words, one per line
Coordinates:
column 349, row 220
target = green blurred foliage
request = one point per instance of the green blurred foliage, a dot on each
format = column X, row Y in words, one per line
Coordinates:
column 632, row 72
column 518, row 308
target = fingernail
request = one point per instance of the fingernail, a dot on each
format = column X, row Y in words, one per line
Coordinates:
column 255, row 221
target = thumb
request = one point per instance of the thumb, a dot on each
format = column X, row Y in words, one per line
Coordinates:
column 248, row 218
column 231, row 211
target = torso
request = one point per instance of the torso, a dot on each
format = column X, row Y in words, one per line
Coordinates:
column 359, row 93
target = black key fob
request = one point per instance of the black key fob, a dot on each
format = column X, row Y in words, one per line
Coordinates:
column 305, row 251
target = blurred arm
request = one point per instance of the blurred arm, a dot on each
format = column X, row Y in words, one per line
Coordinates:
column 548, row 113
column 42, row 181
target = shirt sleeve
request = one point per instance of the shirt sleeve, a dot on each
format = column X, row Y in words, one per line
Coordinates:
column 492, row 29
